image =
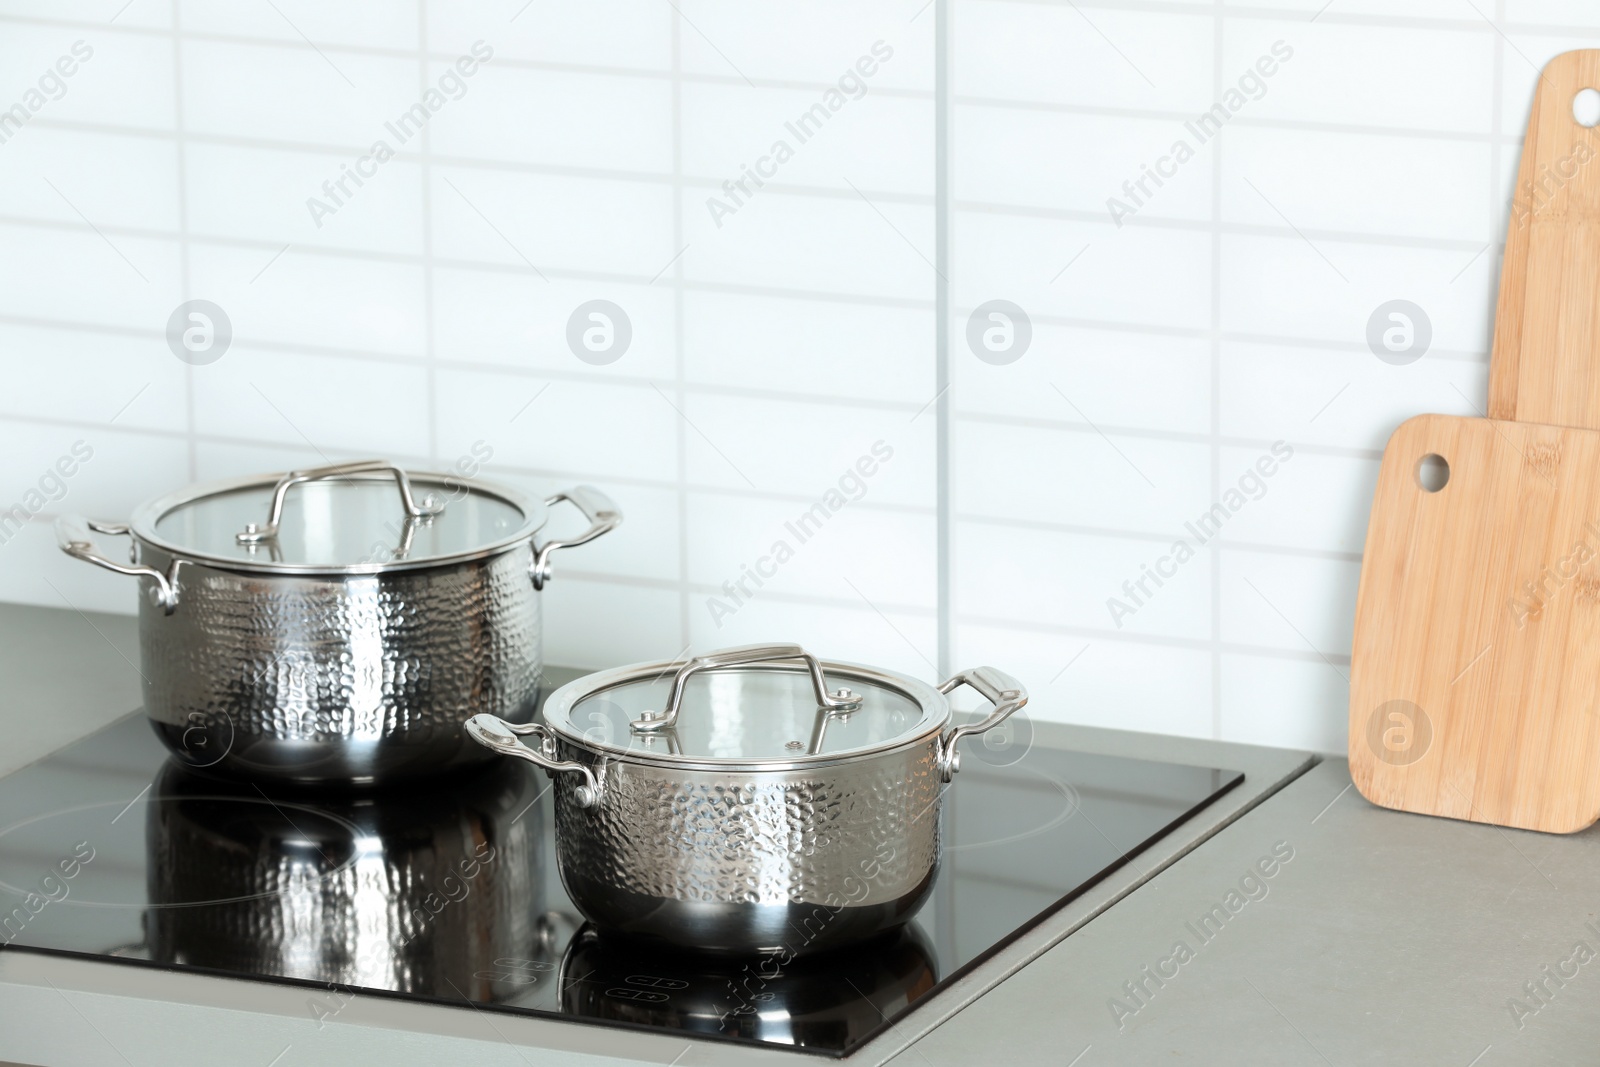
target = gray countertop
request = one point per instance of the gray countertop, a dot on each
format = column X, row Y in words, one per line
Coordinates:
column 1353, row 935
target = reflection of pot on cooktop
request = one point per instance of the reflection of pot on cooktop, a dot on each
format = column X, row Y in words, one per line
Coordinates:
column 829, row 1000
column 430, row 892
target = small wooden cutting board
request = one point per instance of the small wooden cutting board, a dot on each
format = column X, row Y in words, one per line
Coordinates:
column 1475, row 666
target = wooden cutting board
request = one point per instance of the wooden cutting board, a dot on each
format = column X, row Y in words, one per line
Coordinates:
column 1475, row 666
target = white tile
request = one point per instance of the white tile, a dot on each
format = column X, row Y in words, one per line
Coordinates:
column 79, row 276
column 485, row 316
column 854, row 554
column 93, row 14
column 1284, row 703
column 644, row 546
column 365, row 25
column 803, row 345
column 115, row 469
column 1350, row 399
column 120, row 79
column 1063, row 579
column 876, row 142
column 1328, row 290
column 1562, row 12
column 1310, row 501
column 811, row 449
column 296, row 95
column 112, row 180
column 1114, row 482
column 586, row 430
column 305, row 298
column 1122, row 685
column 1118, row 378
column 833, row 245
column 215, row 460
column 1447, row 10
column 1095, row 271
column 1399, row 76
column 898, row 640
column 560, row 118
column 91, row 377
column 1358, row 183
column 634, row 34
column 1295, row 603
column 1078, row 162
column 554, row 223
column 297, row 198
column 596, row 624
column 282, row 397
column 812, row 42
column 1069, row 55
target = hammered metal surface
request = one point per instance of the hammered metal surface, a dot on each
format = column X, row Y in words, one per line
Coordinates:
column 362, row 679
column 736, row 861
column 420, row 895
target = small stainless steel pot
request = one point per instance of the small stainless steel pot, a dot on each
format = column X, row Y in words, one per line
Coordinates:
column 756, row 810
column 329, row 626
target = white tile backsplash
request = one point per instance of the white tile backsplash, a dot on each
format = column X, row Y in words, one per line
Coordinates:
column 1089, row 271
column 777, row 334
column 391, row 25
column 618, row 34
column 361, row 303
column 294, row 95
column 1082, row 57
column 507, row 218
column 115, row 181
column 265, row 194
column 796, row 344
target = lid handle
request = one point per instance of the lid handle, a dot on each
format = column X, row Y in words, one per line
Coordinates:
column 839, row 700
column 253, row 534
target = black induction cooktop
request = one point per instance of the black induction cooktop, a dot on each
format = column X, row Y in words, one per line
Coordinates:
column 451, row 894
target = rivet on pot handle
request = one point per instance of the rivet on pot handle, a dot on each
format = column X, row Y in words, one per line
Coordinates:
column 253, row 534
column 995, row 686
column 73, row 534
column 501, row 736
column 603, row 516
column 842, row 700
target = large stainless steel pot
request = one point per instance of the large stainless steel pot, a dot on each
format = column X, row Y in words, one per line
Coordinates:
column 736, row 804
column 336, row 625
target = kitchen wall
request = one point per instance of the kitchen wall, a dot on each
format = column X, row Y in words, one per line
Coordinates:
column 1153, row 317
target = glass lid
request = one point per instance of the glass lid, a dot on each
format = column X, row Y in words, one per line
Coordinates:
column 356, row 517
column 769, row 704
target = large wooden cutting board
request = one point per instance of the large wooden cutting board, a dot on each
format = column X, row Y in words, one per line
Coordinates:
column 1475, row 667
column 1475, row 673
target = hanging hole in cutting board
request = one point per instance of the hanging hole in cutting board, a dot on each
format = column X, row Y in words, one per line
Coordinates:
column 1432, row 472
column 1586, row 107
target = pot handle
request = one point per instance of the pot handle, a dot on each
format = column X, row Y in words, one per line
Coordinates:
column 995, row 686
column 840, row 700
column 253, row 534
column 501, row 736
column 603, row 516
column 75, row 536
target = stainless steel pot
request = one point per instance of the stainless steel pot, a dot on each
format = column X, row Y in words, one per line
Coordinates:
column 736, row 804
column 328, row 626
